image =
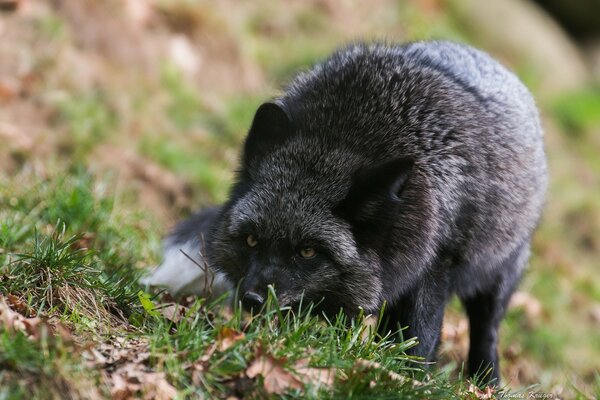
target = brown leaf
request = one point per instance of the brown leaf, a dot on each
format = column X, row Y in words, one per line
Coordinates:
column 228, row 337
column 317, row 376
column 119, row 389
column 163, row 389
column 174, row 312
column 7, row 316
column 486, row 394
column 132, row 380
column 18, row 304
column 33, row 327
column 119, row 352
column 276, row 379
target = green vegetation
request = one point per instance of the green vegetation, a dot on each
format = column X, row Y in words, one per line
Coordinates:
column 85, row 290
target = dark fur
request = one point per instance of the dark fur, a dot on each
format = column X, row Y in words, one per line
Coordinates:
column 416, row 172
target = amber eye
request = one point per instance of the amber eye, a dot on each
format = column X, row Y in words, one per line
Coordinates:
column 307, row 252
column 251, row 241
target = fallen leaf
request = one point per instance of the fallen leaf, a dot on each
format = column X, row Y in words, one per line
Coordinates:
column 174, row 312
column 18, row 304
column 119, row 389
column 164, row 390
column 228, row 337
column 487, row 393
column 133, row 380
column 276, row 379
column 119, row 352
column 33, row 327
column 317, row 376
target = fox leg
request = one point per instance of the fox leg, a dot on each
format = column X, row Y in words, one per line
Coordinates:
column 420, row 314
column 485, row 310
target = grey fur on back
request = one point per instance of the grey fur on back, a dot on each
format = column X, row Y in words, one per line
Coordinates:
column 470, row 125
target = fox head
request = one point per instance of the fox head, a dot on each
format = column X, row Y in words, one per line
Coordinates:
column 309, row 217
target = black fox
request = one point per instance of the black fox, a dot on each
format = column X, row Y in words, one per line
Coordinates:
column 389, row 174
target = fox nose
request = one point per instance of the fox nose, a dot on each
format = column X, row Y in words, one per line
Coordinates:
column 252, row 301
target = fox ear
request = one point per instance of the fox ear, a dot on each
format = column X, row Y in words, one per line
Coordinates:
column 271, row 126
column 375, row 193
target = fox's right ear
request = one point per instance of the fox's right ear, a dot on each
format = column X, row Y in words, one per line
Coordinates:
column 271, row 126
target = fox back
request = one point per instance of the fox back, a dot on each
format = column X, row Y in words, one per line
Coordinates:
column 396, row 175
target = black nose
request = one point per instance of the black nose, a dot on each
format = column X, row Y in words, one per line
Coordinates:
column 252, row 301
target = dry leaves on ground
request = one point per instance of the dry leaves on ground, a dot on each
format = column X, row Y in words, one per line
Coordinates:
column 126, row 370
column 131, row 380
column 277, row 379
column 227, row 337
column 486, row 394
column 34, row 327
column 175, row 312
column 317, row 376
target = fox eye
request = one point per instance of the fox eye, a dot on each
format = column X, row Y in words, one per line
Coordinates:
column 251, row 241
column 307, row 252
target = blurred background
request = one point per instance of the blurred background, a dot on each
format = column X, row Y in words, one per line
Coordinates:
column 146, row 102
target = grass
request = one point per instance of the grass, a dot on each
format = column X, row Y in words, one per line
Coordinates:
column 579, row 112
column 75, row 274
column 54, row 275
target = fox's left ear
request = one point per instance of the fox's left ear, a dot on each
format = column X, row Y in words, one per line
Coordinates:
column 376, row 192
column 271, row 126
